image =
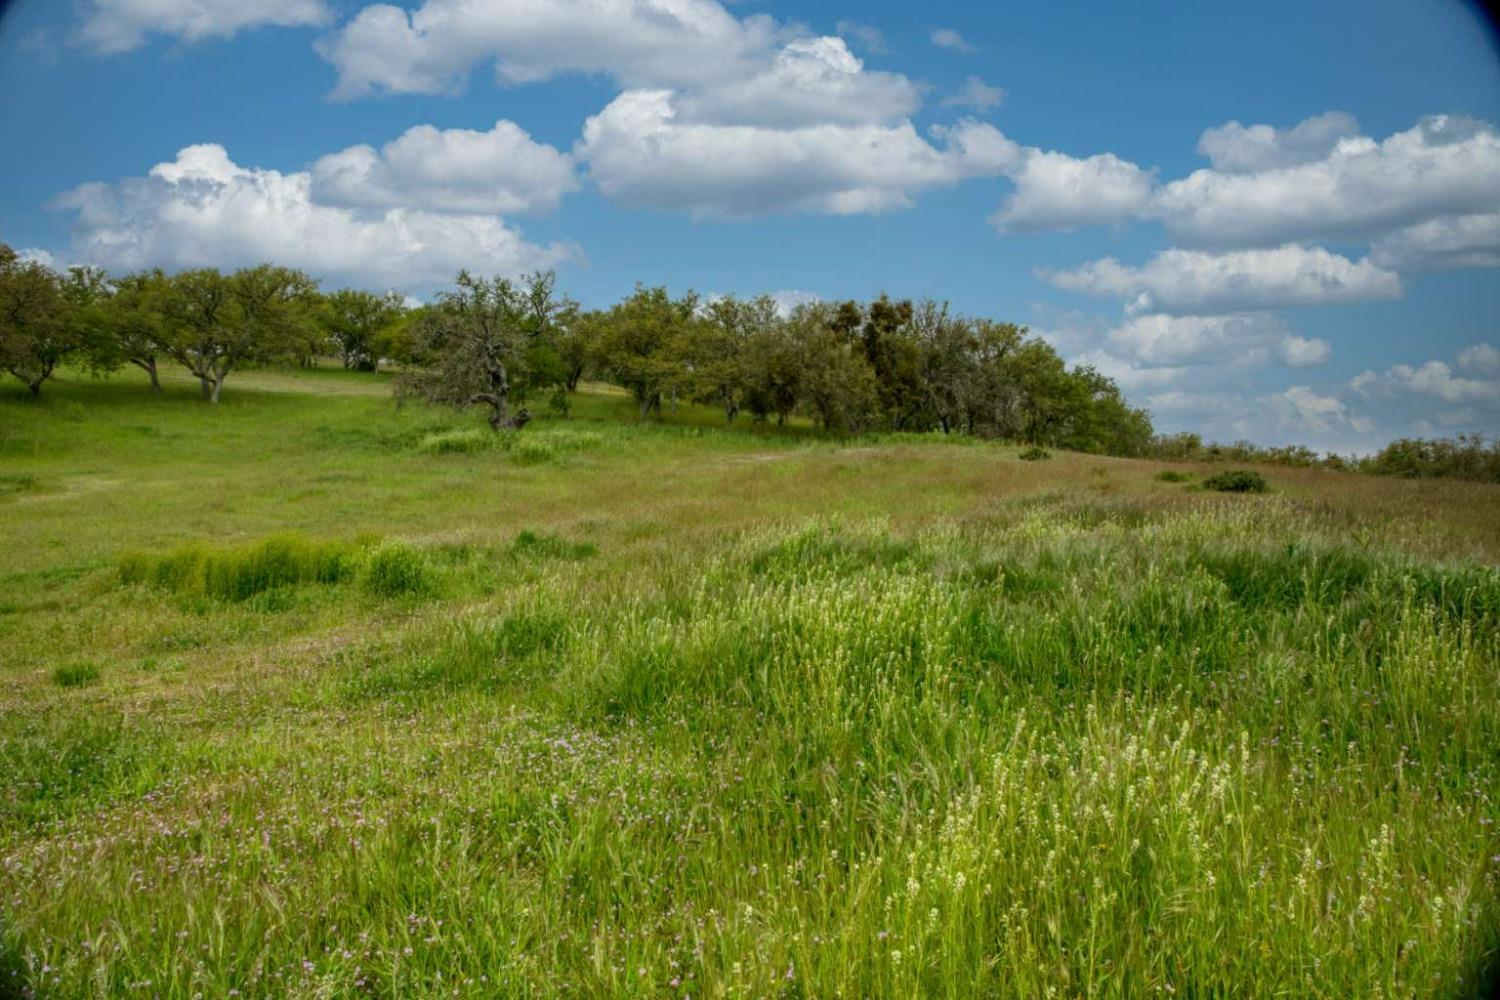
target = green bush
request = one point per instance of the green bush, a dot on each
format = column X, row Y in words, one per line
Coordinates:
column 1236, row 481
column 396, row 569
column 1034, row 454
column 1173, row 476
column 1467, row 456
column 75, row 675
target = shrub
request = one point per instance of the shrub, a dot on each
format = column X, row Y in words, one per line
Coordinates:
column 396, row 569
column 75, row 675
column 1034, row 454
column 1173, row 476
column 1236, row 481
column 1464, row 457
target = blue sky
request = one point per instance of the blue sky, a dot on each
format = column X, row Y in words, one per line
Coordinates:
column 1279, row 222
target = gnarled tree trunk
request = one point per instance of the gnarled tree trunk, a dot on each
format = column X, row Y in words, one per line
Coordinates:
column 148, row 365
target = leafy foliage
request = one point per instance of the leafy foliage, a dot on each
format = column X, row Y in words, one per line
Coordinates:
column 1236, row 481
column 1466, row 456
column 40, row 322
column 883, row 366
column 360, row 325
column 484, row 344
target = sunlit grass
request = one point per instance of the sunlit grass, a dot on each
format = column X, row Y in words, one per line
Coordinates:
column 670, row 710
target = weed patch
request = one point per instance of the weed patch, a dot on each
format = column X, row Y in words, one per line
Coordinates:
column 75, row 675
column 541, row 545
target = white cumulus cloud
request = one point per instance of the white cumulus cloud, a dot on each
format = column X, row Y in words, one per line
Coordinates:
column 1483, row 359
column 1240, row 149
column 1302, row 352
column 1055, row 191
column 1192, row 282
column 640, row 43
column 640, row 154
column 1445, row 243
column 202, row 209
column 120, row 25
column 1360, row 190
column 1299, row 412
column 499, row 171
column 810, row 81
column 1131, row 376
column 1245, row 339
column 1432, row 378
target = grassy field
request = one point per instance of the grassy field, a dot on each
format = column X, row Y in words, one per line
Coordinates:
column 307, row 695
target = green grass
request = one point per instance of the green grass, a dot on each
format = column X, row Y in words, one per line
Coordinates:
column 73, row 675
column 661, row 709
column 396, row 569
column 237, row 574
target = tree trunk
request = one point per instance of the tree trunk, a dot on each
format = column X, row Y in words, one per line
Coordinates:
column 218, row 384
column 499, row 422
column 645, row 406
column 206, row 386
column 148, row 365
column 35, row 386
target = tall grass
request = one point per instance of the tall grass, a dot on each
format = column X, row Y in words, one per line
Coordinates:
column 1065, row 750
column 695, row 713
column 395, row 569
column 236, row 574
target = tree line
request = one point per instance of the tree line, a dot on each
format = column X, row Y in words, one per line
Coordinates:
column 501, row 344
column 1464, row 456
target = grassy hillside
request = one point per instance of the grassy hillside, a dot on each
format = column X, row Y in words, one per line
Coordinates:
column 308, row 695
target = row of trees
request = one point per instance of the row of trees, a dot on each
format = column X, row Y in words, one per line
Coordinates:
column 208, row 322
column 1466, row 456
column 499, row 343
column 887, row 365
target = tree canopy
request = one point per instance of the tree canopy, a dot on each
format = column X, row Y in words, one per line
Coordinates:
column 500, row 342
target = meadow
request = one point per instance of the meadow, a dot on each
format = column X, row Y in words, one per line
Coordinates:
column 313, row 695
